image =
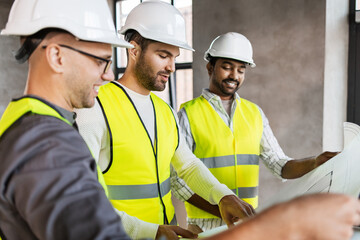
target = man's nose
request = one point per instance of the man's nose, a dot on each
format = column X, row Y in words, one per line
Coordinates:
column 108, row 76
column 234, row 74
column 170, row 66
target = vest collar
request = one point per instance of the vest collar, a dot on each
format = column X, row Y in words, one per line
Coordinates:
column 70, row 116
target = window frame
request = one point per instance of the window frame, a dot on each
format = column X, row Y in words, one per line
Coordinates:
column 353, row 90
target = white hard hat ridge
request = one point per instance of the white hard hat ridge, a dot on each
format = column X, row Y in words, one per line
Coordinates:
column 159, row 21
column 88, row 20
column 231, row 45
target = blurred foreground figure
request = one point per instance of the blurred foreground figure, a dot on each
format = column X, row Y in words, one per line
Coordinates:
column 320, row 216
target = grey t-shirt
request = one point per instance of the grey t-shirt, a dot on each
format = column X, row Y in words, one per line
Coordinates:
column 48, row 184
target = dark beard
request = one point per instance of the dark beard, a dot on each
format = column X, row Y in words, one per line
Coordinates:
column 224, row 91
column 144, row 75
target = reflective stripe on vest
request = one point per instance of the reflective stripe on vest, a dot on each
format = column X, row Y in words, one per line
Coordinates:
column 123, row 192
column 17, row 108
column 138, row 175
column 226, row 161
column 232, row 157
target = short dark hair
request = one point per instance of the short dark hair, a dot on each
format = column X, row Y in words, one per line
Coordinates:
column 133, row 35
column 212, row 60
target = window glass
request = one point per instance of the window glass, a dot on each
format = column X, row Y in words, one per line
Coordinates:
column 122, row 11
column 185, row 7
column 184, row 86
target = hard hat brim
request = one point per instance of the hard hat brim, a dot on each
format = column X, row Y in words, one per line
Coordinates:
column 247, row 61
column 108, row 38
column 172, row 42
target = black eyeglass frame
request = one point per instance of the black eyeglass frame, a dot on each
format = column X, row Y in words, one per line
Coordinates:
column 108, row 61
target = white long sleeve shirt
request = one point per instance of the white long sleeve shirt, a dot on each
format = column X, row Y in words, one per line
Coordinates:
column 93, row 129
column 270, row 151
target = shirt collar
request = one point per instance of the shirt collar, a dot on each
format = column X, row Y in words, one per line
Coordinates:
column 70, row 116
column 213, row 97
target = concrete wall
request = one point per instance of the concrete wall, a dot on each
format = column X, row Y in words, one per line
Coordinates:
column 288, row 38
column 12, row 75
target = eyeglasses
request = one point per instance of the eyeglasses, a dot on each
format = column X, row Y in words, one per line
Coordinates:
column 107, row 61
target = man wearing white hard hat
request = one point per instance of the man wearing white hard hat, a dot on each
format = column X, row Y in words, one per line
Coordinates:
column 50, row 185
column 229, row 134
column 135, row 135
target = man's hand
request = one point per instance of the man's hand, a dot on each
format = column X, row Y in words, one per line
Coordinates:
column 324, row 157
column 173, row 232
column 319, row 216
column 232, row 209
column 299, row 167
column 194, row 228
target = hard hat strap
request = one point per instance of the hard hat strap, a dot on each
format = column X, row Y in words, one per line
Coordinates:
column 129, row 34
column 29, row 45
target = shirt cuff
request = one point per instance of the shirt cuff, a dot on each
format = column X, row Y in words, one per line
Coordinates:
column 218, row 192
column 179, row 188
column 147, row 230
column 279, row 166
column 183, row 194
column 136, row 228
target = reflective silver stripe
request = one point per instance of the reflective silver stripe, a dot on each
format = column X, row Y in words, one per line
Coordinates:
column 125, row 192
column 247, row 159
column 165, row 187
column 247, row 192
column 227, row 161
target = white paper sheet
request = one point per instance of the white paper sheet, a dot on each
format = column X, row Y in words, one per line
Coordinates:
column 350, row 131
column 341, row 174
column 211, row 232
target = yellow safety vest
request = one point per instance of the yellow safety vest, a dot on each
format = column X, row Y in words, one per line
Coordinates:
column 232, row 157
column 17, row 108
column 138, row 176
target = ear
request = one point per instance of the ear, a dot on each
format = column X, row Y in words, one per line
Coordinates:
column 134, row 52
column 210, row 68
column 55, row 58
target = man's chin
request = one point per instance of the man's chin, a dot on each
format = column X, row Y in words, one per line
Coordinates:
column 88, row 104
column 158, row 88
column 229, row 93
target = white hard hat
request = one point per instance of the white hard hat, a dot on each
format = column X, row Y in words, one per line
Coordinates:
column 231, row 45
column 88, row 20
column 158, row 21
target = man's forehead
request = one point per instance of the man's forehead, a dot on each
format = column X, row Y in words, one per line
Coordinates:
column 232, row 62
column 166, row 48
column 59, row 37
column 68, row 38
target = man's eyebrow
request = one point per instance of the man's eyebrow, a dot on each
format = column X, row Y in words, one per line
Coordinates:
column 108, row 57
column 230, row 63
column 167, row 52
column 105, row 56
